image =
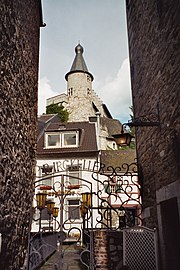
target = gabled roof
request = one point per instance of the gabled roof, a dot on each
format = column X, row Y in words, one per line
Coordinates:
column 87, row 143
column 107, row 111
column 79, row 64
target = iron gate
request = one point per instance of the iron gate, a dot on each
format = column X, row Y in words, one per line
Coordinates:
column 140, row 248
column 109, row 200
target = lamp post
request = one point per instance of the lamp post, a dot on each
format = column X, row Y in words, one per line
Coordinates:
column 50, row 208
column 55, row 215
column 41, row 202
column 124, row 138
column 85, row 205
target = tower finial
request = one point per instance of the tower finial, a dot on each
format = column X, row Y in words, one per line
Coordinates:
column 79, row 64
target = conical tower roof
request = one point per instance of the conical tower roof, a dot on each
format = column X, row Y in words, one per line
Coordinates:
column 79, row 64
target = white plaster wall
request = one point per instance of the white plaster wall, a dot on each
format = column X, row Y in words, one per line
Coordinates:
column 60, row 168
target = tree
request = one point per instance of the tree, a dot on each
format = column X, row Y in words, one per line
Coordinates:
column 59, row 109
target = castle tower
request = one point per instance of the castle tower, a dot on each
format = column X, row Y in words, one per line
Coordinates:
column 81, row 101
column 79, row 88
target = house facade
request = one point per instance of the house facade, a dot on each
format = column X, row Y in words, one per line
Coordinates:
column 73, row 160
column 69, row 164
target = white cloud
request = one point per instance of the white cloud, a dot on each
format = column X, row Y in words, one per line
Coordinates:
column 45, row 91
column 116, row 92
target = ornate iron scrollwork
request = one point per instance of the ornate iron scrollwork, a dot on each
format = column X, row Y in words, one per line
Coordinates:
column 113, row 202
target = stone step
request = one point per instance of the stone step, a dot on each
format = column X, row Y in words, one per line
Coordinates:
column 70, row 260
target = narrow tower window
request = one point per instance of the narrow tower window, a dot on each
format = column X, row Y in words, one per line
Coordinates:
column 88, row 92
column 88, row 78
column 70, row 91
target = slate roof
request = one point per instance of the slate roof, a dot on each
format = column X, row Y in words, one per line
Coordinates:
column 107, row 111
column 113, row 126
column 87, row 146
column 79, row 64
column 116, row 158
column 44, row 119
column 47, row 117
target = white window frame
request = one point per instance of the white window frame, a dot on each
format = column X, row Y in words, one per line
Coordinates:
column 77, row 206
column 61, row 139
column 50, row 134
column 74, row 170
column 69, row 145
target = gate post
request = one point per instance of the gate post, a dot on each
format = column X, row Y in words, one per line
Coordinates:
column 100, row 249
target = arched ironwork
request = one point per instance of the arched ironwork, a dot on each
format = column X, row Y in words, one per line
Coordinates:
column 112, row 202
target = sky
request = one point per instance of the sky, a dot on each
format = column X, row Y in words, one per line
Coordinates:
column 100, row 27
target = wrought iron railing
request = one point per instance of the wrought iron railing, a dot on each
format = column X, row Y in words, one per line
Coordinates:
column 41, row 247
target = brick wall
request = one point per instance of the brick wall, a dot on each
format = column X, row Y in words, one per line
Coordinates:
column 108, row 252
column 19, row 23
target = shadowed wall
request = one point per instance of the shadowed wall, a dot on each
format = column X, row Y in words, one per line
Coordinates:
column 153, row 30
column 19, row 55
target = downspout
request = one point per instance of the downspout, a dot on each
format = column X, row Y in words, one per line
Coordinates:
column 98, row 130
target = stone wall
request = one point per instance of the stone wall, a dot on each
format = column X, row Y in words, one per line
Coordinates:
column 153, row 30
column 154, row 55
column 19, row 23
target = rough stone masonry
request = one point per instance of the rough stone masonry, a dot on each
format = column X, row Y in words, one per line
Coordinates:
column 154, row 42
column 19, row 56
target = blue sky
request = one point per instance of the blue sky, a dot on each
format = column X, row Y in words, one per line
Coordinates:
column 100, row 26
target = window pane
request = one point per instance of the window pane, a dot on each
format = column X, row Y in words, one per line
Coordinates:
column 72, row 180
column 74, row 212
column 47, row 171
column 73, row 202
column 44, row 214
column 70, row 139
column 47, row 182
column 53, row 140
column 119, row 188
column 73, row 209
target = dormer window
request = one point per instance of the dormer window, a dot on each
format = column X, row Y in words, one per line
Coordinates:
column 61, row 139
column 53, row 140
column 69, row 139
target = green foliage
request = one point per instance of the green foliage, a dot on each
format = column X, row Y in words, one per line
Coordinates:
column 131, row 146
column 59, row 109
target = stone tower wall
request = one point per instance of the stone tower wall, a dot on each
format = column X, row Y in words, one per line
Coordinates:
column 19, row 23
column 79, row 91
